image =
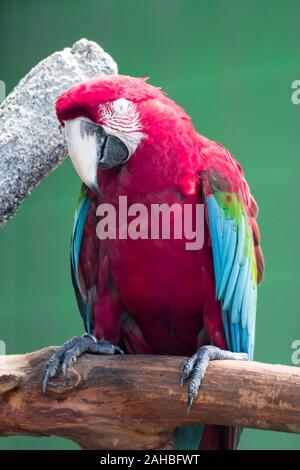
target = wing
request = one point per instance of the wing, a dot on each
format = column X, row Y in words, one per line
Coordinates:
column 237, row 256
column 85, row 289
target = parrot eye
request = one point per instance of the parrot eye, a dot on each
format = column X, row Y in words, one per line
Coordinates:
column 120, row 114
column 121, row 119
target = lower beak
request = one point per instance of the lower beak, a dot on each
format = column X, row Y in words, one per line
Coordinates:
column 112, row 152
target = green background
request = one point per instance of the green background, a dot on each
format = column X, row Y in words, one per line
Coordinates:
column 230, row 64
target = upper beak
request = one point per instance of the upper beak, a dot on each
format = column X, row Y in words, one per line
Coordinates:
column 91, row 148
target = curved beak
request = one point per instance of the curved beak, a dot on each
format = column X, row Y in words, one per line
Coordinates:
column 91, row 148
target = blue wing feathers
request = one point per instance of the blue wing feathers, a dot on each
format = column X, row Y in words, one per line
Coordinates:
column 226, row 327
column 217, row 236
column 80, row 218
column 245, row 302
column 241, row 242
column 228, row 262
column 252, row 309
column 238, row 295
column 225, row 243
column 236, row 334
column 244, row 340
column 79, row 222
column 230, row 289
column 235, row 287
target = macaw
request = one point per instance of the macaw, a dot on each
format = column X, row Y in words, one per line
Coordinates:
column 153, row 296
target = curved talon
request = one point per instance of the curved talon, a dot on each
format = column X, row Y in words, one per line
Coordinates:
column 187, row 368
column 118, row 350
column 69, row 359
column 68, row 353
column 195, row 367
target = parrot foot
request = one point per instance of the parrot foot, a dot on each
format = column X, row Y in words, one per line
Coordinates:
column 196, row 366
column 68, row 353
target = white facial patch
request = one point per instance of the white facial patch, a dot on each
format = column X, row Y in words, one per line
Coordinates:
column 83, row 152
column 121, row 119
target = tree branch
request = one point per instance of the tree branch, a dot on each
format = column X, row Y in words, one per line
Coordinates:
column 135, row 402
column 31, row 140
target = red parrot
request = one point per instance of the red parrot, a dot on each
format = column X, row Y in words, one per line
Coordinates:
column 152, row 295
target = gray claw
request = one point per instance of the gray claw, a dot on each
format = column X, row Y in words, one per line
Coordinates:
column 69, row 359
column 118, row 350
column 71, row 350
column 187, row 368
column 196, row 366
column 50, row 370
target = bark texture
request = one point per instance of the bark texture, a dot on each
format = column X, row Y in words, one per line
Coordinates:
column 31, row 141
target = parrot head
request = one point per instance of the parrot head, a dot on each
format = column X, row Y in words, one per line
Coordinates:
column 106, row 120
column 103, row 122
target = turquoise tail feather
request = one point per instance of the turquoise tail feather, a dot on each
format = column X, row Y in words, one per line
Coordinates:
column 188, row 437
